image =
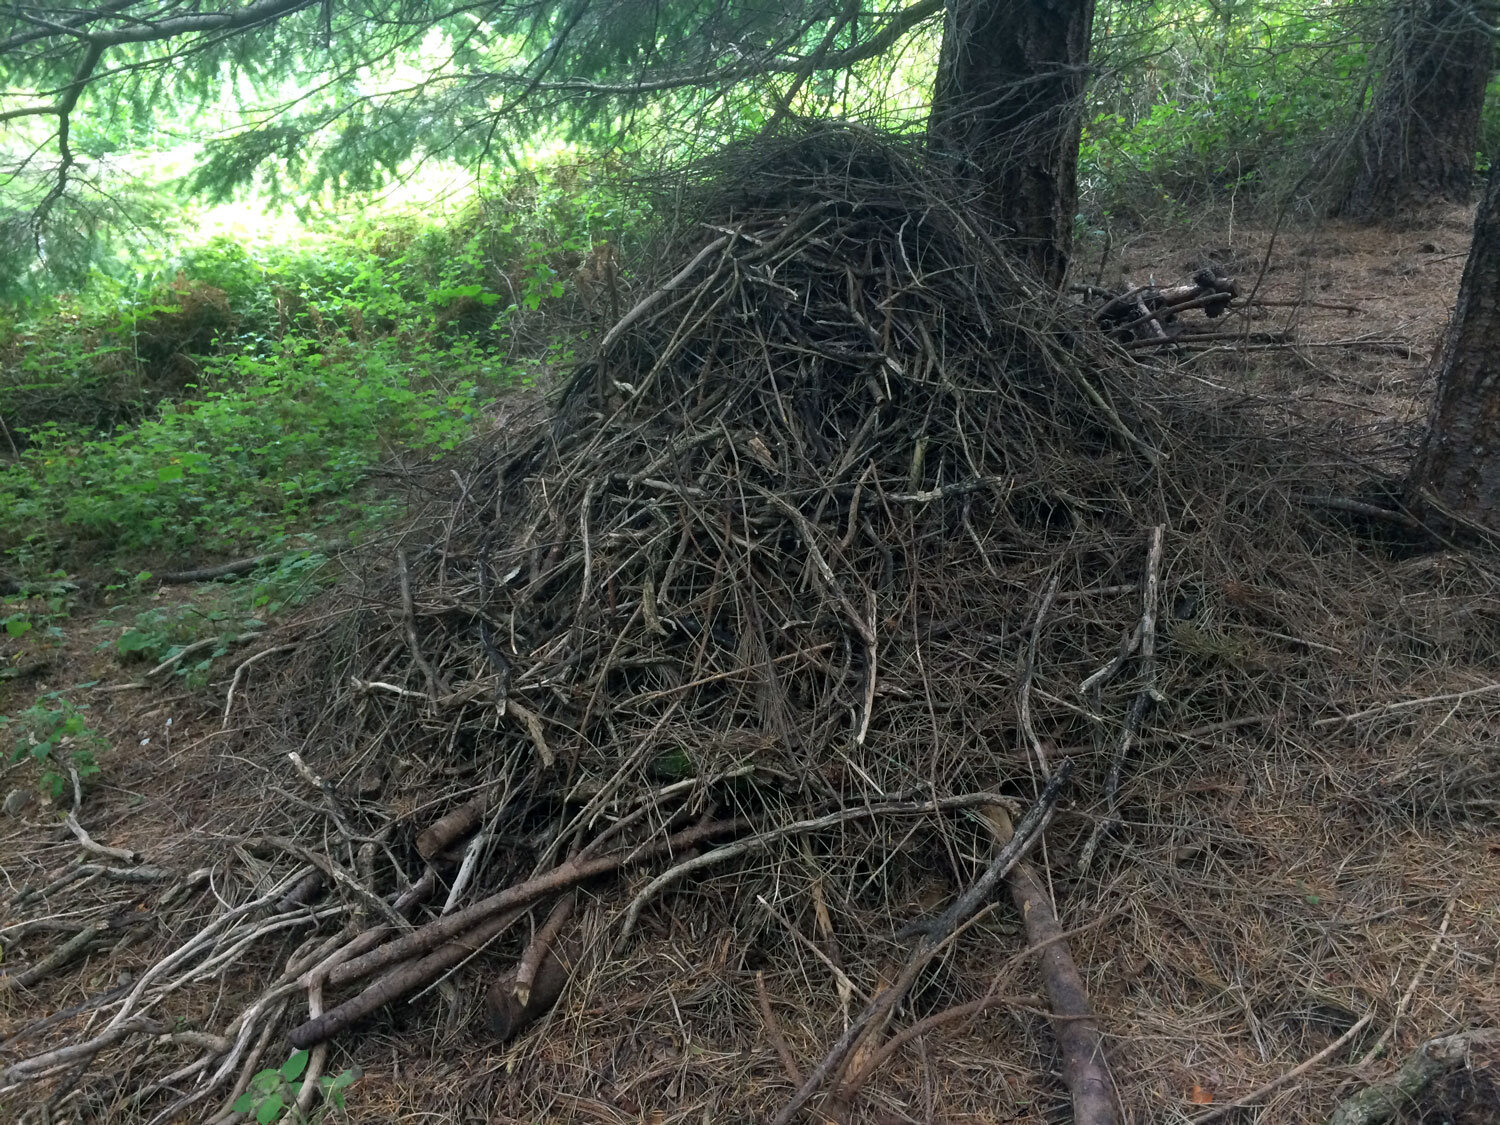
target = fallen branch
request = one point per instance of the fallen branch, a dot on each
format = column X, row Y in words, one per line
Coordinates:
column 773, row 1032
column 475, row 850
column 125, row 874
column 368, row 939
column 452, row 826
column 76, row 1053
column 239, row 675
column 364, row 686
column 540, row 947
column 524, row 894
column 796, row 828
column 401, row 980
column 1411, row 989
column 89, row 844
column 1028, row 673
column 1398, row 1093
column 1406, row 704
column 1145, row 698
column 197, row 647
column 1360, row 508
column 957, row 488
column 1155, row 316
column 1333, row 305
column 1277, row 341
column 436, row 685
column 652, row 298
column 74, row 947
column 846, row 986
column 533, row 724
column 318, row 1061
column 1290, row 1076
column 948, row 1015
column 238, row 566
column 1078, row 1038
column 1243, row 341
column 247, row 1070
column 1093, row 685
column 932, row 936
column 529, row 990
column 873, row 1017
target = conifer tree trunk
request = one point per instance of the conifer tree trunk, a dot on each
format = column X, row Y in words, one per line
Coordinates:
column 1009, row 100
column 1459, row 464
column 1419, row 141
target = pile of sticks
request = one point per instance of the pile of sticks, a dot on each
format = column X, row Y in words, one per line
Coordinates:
column 689, row 623
column 1152, row 316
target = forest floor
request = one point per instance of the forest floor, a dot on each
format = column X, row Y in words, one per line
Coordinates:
column 1280, row 901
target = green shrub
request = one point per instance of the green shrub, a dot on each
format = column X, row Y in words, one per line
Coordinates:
column 272, row 1095
column 236, row 611
column 1489, row 128
column 1200, row 103
column 232, row 392
column 55, row 734
column 242, row 464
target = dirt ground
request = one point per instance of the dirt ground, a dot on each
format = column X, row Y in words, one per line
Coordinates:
column 1281, row 899
column 1337, row 284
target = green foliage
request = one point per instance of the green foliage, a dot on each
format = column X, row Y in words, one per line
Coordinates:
column 80, row 234
column 239, row 609
column 234, row 392
column 1208, row 102
column 36, row 611
column 33, row 628
column 1489, row 128
column 1195, row 100
column 674, row 765
column 55, row 734
column 272, row 1095
column 288, row 583
column 159, row 633
column 246, row 461
column 316, row 102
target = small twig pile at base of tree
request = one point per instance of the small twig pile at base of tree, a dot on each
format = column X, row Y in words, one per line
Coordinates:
column 1141, row 317
column 731, row 661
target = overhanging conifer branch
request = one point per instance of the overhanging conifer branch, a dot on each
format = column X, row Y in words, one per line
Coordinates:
column 896, row 26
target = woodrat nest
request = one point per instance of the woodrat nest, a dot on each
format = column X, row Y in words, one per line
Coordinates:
column 842, row 542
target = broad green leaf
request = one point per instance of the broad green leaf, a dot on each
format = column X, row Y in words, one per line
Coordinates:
column 269, row 1110
column 293, row 1067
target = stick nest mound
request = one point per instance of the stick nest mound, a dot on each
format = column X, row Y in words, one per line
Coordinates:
column 703, row 681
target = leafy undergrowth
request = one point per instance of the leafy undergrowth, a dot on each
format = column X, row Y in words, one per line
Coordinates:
column 282, row 443
column 60, row 648
column 249, row 397
column 240, row 392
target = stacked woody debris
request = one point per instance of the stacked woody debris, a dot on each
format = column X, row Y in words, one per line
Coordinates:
column 1145, row 316
column 730, row 675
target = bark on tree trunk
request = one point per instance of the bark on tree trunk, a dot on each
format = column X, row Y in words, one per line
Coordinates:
column 1459, row 464
column 1009, row 100
column 1419, row 141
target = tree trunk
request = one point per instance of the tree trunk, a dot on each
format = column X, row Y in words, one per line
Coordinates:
column 1009, row 100
column 1419, row 141
column 1459, row 465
